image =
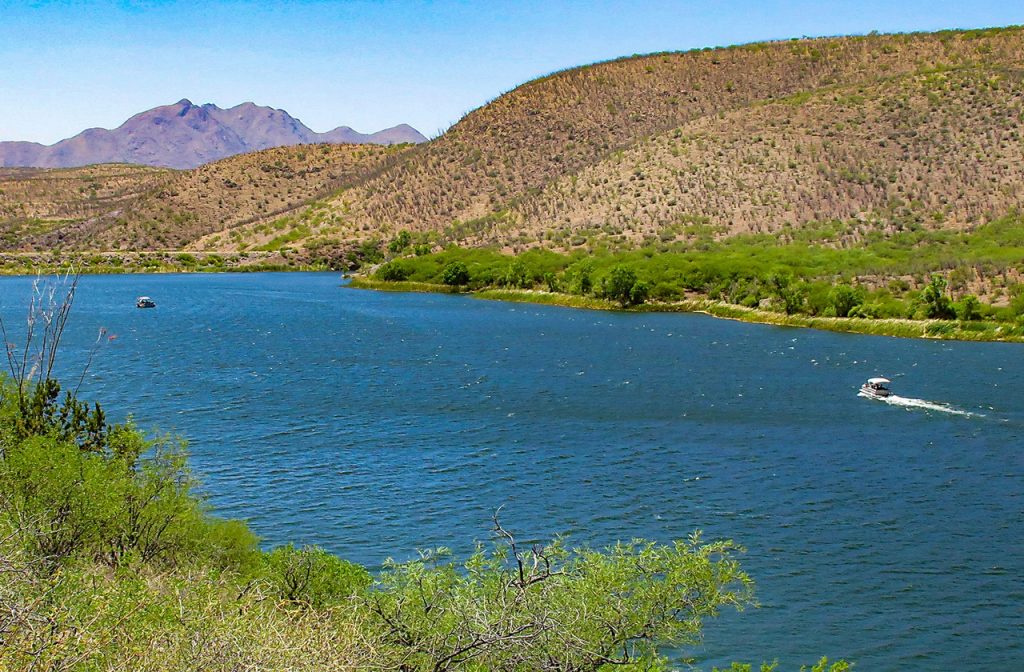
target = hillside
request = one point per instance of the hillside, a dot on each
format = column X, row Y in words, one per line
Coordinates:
column 935, row 150
column 480, row 171
column 38, row 203
column 184, row 135
column 118, row 207
column 883, row 133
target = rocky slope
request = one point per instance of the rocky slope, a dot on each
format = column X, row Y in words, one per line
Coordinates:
column 184, row 135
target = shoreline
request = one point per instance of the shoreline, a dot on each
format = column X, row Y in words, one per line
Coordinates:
column 949, row 330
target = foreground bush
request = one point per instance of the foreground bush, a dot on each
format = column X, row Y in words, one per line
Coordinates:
column 551, row 608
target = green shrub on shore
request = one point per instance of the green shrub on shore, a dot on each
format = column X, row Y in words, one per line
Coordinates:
column 804, row 276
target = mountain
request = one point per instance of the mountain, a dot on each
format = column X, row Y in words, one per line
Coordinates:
column 870, row 136
column 184, row 135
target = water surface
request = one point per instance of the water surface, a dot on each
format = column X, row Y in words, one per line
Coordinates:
column 375, row 424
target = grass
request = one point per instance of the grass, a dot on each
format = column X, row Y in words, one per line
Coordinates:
column 546, row 298
column 402, row 286
column 902, row 328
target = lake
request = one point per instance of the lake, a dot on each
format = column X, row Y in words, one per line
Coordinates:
column 375, row 424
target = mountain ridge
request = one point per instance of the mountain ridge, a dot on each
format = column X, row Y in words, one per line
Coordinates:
column 185, row 135
column 866, row 137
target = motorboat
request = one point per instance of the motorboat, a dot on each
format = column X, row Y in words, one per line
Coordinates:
column 145, row 302
column 876, row 387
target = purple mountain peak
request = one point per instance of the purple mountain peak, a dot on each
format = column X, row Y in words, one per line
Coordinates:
column 184, row 135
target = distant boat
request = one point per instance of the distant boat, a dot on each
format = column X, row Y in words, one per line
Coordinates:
column 876, row 387
column 145, row 302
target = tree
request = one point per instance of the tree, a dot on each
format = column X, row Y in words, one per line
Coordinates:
column 393, row 271
column 640, row 292
column 400, row 242
column 843, row 298
column 787, row 290
column 455, row 274
column 937, row 304
column 622, row 285
column 578, row 278
column 516, row 275
column 969, row 308
column 312, row 577
column 1017, row 300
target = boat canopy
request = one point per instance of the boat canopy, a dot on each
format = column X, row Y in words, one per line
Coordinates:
column 878, row 381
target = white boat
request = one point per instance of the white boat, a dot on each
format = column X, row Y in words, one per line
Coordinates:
column 145, row 302
column 876, row 387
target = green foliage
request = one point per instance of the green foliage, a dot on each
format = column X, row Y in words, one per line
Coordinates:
column 393, row 271
column 821, row 666
column 936, row 303
column 579, row 278
column 280, row 242
column 39, row 413
column 509, row 609
column 400, row 243
column 312, row 577
column 789, row 292
column 516, row 275
column 968, row 308
column 455, row 274
column 369, row 252
column 1016, row 305
column 843, row 298
column 88, row 489
column 622, row 285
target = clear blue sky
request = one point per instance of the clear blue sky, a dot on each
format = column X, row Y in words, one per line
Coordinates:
column 67, row 66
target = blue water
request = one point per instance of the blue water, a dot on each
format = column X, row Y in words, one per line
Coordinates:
column 375, row 424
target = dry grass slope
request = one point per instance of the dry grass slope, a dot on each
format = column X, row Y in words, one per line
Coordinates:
column 553, row 128
column 935, row 150
column 38, row 202
column 118, row 207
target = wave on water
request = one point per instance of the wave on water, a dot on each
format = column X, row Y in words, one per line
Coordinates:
column 907, row 402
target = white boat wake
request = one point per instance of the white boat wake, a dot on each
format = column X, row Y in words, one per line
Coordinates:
column 906, row 402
